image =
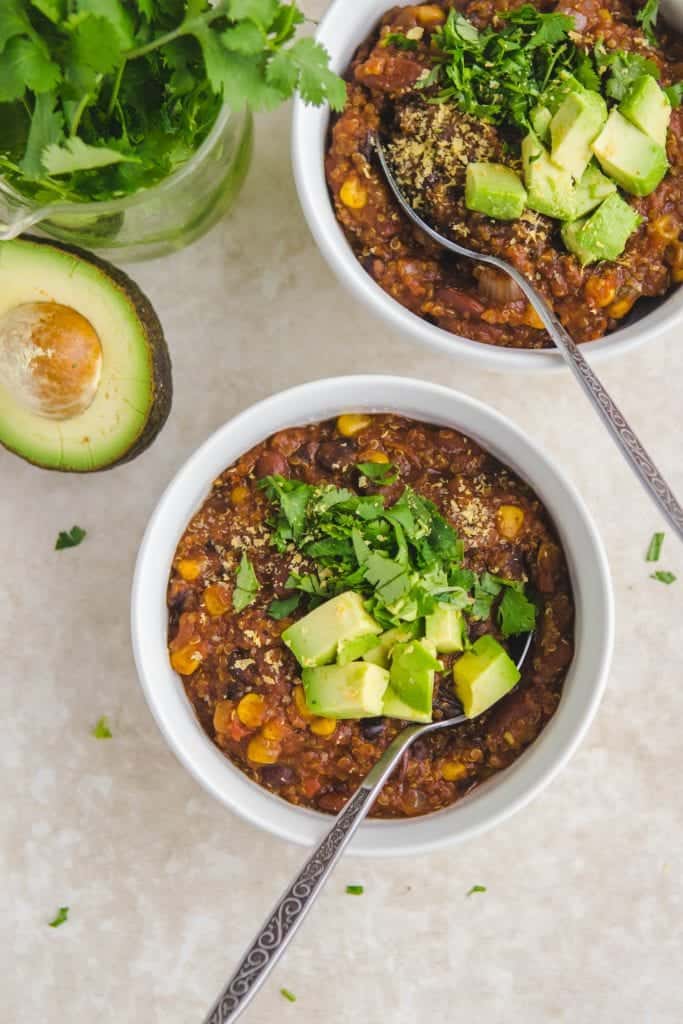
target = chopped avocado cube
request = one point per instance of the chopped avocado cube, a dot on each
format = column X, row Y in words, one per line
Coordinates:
column 445, row 628
column 632, row 158
column 314, row 639
column 603, row 235
column 379, row 655
column 495, row 190
column 558, row 90
column 591, row 190
column 394, row 707
column 483, row 675
column 345, row 691
column 412, row 674
column 574, row 127
column 352, row 650
column 647, row 106
column 540, row 118
column 550, row 188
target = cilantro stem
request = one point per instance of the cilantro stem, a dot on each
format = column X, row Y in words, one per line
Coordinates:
column 113, row 99
column 78, row 114
column 187, row 27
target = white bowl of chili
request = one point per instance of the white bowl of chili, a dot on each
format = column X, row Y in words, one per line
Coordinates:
column 342, row 30
column 498, row 797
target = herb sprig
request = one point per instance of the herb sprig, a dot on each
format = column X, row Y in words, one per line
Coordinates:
column 99, row 98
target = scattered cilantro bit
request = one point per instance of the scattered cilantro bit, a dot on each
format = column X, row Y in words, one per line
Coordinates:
column 60, row 917
column 102, row 730
column 647, row 19
column 399, row 40
column 379, row 472
column 675, row 93
column 516, row 614
column 655, row 548
column 620, row 69
column 101, row 98
column 663, row 576
column 70, row 538
column 476, row 888
column 355, row 890
column 286, row 994
column 284, row 606
column 246, row 585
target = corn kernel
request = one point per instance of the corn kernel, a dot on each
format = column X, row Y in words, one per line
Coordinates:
column 222, row 715
column 261, row 751
column 186, row 660
column 239, row 494
column 189, row 568
column 272, row 731
column 532, row 319
column 216, row 601
column 373, row 455
column 352, row 194
column 667, row 227
column 600, row 290
column 509, row 739
column 429, row 15
column 301, row 705
column 451, row 771
column 621, row 307
column 251, row 710
column 509, row 520
column 352, row 423
column 677, row 274
column 323, row 726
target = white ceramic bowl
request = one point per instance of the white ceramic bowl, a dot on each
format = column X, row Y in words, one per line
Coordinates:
column 341, row 31
column 505, row 792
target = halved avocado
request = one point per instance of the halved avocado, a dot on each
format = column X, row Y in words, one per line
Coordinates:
column 85, row 373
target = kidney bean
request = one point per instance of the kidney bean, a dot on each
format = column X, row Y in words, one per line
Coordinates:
column 372, row 727
column 333, row 455
column 277, row 775
column 287, row 441
column 271, row 464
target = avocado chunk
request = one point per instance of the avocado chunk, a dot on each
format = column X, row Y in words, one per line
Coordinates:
column 412, row 674
column 379, row 654
column 540, row 118
column 591, row 190
column 483, row 675
column 647, row 106
column 632, row 158
column 445, row 628
column 352, row 650
column 558, row 90
column 495, row 190
column 85, row 373
column 394, row 707
column 574, row 127
column 315, row 639
column 550, row 188
column 345, row 691
column 603, row 235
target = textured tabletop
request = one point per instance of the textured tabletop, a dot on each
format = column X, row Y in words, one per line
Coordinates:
column 582, row 920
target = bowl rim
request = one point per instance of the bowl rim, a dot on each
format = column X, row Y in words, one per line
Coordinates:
column 338, row 31
column 491, row 802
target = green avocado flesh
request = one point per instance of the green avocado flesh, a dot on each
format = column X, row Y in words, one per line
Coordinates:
column 574, row 127
column 394, row 707
column 591, row 190
column 483, row 675
column 550, row 188
column 412, row 675
column 648, row 108
column 315, row 639
column 629, row 156
column 445, row 628
column 495, row 190
column 345, row 691
column 133, row 397
column 379, row 654
column 603, row 235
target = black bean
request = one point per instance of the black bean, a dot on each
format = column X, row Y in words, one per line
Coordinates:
column 372, row 727
column 277, row 775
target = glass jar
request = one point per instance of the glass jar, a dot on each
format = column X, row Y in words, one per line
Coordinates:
column 153, row 221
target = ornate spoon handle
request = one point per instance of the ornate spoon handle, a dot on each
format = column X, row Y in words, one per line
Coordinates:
column 279, row 929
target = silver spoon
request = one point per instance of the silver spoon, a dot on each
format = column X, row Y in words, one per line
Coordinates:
column 290, row 910
column 631, row 448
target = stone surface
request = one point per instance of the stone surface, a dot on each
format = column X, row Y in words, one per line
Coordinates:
column 582, row 920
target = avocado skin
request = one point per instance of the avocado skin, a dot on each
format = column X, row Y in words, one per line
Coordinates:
column 160, row 357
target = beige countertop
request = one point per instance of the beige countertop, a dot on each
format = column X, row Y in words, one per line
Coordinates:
column 582, row 920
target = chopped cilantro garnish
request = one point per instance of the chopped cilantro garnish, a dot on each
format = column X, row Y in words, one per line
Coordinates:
column 516, row 614
column 246, row 585
column 647, row 18
column 60, row 917
column 655, row 548
column 675, row 93
column 286, row 994
column 379, row 472
column 476, row 888
column 663, row 576
column 101, row 730
column 284, row 606
column 355, row 890
column 70, row 538
column 620, row 69
column 400, row 41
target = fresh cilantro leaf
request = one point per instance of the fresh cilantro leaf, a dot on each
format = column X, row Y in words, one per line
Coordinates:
column 647, row 18
column 70, row 538
column 655, row 548
column 486, row 589
column 238, row 79
column 293, row 497
column 381, row 473
column 246, row 585
column 355, row 890
column 306, row 64
column 516, row 614
column 282, row 607
column 94, row 44
column 75, row 155
column 114, row 12
column 390, row 580
column 675, row 93
column 400, row 41
column 102, row 730
column 54, row 10
column 24, row 64
column 552, row 29
column 13, row 21
column 622, row 68
column 663, row 576
column 246, row 37
column 262, row 12
column 286, row 994
column 584, row 71
column 60, row 918
column 46, row 129
column 477, row 888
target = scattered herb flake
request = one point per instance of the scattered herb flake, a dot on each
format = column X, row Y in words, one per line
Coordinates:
column 355, row 890
column 381, row 473
column 60, row 918
column 70, row 538
column 675, row 93
column 284, row 606
column 655, row 548
column 286, row 994
column 663, row 576
column 102, row 730
column 647, row 18
column 476, row 888
column 399, row 40
column 516, row 614
column 246, row 585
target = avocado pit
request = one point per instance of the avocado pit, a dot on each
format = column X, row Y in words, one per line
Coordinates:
column 50, row 359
